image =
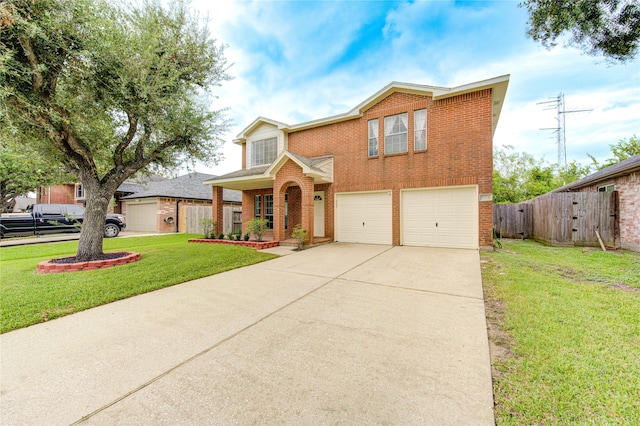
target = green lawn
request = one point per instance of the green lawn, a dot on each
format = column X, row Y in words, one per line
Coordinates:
column 28, row 298
column 568, row 320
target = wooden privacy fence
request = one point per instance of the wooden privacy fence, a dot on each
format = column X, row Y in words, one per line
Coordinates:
column 513, row 220
column 561, row 219
column 190, row 216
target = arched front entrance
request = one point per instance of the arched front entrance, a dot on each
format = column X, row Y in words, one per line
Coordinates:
column 293, row 195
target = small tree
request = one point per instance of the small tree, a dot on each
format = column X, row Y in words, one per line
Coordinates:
column 299, row 234
column 209, row 227
column 257, row 227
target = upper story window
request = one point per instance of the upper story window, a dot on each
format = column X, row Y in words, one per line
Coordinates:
column 373, row 138
column 264, row 151
column 420, row 130
column 395, row 133
column 80, row 192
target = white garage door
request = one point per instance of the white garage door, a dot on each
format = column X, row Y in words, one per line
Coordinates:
column 141, row 217
column 446, row 217
column 364, row 217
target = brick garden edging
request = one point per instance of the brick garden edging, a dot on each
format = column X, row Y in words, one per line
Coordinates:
column 254, row 244
column 47, row 267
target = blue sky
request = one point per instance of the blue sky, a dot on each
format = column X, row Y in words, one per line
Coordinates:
column 295, row 61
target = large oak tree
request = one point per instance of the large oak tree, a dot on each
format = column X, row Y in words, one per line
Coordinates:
column 109, row 88
column 610, row 28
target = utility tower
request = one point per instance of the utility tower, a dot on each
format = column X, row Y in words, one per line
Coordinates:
column 561, row 136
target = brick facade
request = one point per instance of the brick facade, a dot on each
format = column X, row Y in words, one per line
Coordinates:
column 66, row 194
column 628, row 188
column 459, row 151
column 57, row 194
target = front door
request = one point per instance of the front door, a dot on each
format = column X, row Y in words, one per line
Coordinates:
column 318, row 214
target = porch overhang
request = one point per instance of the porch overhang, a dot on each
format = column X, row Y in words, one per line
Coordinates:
column 320, row 169
column 243, row 183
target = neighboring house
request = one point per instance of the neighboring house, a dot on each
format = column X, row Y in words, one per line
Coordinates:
column 410, row 165
column 623, row 177
column 156, row 206
column 74, row 193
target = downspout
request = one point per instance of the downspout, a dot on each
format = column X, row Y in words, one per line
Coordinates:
column 178, row 216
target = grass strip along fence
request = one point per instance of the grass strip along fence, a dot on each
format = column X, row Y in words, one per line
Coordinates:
column 568, row 323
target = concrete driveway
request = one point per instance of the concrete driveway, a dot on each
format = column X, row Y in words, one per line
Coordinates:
column 341, row 333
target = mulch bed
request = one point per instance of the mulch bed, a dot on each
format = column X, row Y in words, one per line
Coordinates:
column 104, row 256
column 254, row 244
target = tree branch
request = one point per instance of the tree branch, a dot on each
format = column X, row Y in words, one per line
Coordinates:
column 133, row 128
column 69, row 138
column 37, row 79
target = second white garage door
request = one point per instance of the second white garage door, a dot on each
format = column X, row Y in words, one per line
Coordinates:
column 141, row 217
column 364, row 217
column 446, row 217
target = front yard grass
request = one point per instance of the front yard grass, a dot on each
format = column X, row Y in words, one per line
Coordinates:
column 565, row 330
column 28, row 298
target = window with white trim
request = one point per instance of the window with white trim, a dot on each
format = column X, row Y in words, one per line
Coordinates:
column 256, row 207
column 373, row 137
column 80, row 192
column 395, row 133
column 264, row 151
column 420, row 130
column 268, row 210
column 607, row 188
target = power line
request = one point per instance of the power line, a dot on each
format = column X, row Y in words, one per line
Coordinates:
column 561, row 137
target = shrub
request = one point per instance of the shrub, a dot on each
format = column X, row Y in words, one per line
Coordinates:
column 257, row 227
column 246, row 237
column 221, row 236
column 209, row 227
column 300, row 235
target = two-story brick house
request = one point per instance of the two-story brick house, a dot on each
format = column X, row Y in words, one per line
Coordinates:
column 410, row 165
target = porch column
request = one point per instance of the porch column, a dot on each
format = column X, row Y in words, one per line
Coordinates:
column 308, row 209
column 216, row 213
column 279, row 232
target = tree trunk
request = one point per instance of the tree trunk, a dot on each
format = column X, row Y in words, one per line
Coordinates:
column 90, row 244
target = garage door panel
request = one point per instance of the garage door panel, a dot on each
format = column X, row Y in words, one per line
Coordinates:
column 364, row 217
column 446, row 217
column 141, row 217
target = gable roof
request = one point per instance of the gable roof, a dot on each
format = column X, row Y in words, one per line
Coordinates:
column 308, row 166
column 625, row 167
column 189, row 186
column 497, row 84
column 320, row 169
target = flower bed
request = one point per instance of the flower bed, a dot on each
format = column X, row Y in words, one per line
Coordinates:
column 254, row 244
column 51, row 266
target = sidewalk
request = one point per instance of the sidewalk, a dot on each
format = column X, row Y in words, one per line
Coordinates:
column 53, row 238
